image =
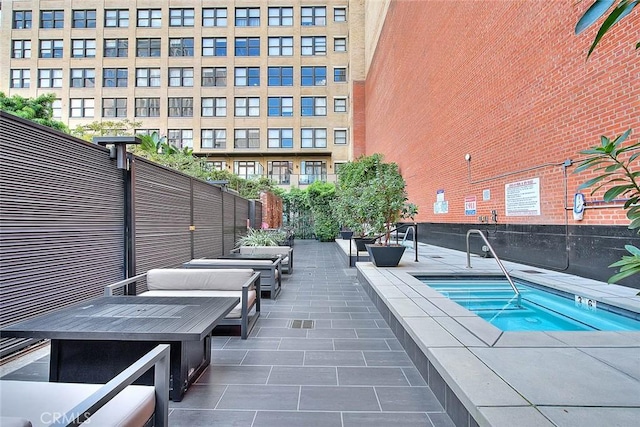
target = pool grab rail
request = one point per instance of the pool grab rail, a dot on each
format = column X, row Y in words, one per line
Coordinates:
column 493, row 253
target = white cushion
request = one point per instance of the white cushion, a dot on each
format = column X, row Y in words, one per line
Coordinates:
column 197, row 279
column 268, row 250
column 39, row 401
column 233, row 314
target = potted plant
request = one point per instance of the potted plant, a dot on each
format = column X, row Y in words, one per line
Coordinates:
column 386, row 197
column 349, row 207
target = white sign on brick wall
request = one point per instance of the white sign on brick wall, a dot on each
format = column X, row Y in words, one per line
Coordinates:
column 522, row 198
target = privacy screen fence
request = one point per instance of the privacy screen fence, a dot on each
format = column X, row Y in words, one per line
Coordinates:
column 72, row 222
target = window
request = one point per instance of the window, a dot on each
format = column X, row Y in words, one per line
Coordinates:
column 83, row 77
column 247, row 46
column 56, row 106
column 314, row 106
column 181, row 77
column 181, row 47
column 21, row 49
column 21, row 19
column 81, row 107
column 314, row 45
column 181, row 17
column 181, row 138
column 114, row 77
column 21, row 78
column 214, row 138
column 51, row 19
column 214, row 17
column 280, row 138
column 246, row 138
column 340, row 44
column 214, row 76
column 247, row 76
column 180, row 107
column 147, row 47
column 146, row 131
column 280, row 46
column 217, row 165
column 116, row 18
column 313, row 138
column 150, row 18
column 340, row 14
column 214, row 46
column 280, row 16
column 340, row 136
column 247, row 170
column 114, row 107
column 340, row 105
column 280, row 171
column 280, row 76
column 83, row 48
column 313, row 76
column 247, row 107
column 214, row 107
column 247, row 17
column 148, row 77
column 311, row 171
column 84, row 19
column 147, row 107
column 116, row 48
column 339, row 75
column 315, row 15
column 50, row 48
column 48, row 77
column 280, row 106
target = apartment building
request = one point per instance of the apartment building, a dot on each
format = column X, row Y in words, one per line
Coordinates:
column 257, row 88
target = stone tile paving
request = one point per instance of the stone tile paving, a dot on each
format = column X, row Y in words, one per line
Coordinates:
column 349, row 370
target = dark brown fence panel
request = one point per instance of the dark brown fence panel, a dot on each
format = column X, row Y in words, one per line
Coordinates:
column 229, row 214
column 257, row 219
column 242, row 215
column 61, row 220
column 207, row 219
column 162, row 206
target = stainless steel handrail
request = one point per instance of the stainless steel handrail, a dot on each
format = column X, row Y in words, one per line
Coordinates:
column 504, row 270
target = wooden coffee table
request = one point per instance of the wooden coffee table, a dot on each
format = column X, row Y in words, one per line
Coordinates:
column 94, row 341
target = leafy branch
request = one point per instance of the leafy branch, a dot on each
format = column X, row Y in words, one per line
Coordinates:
column 617, row 175
column 598, row 9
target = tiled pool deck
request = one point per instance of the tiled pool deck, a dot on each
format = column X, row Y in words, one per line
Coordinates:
column 351, row 369
column 509, row 378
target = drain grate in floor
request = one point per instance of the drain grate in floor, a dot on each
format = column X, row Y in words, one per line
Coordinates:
column 301, row 324
column 532, row 271
column 435, row 256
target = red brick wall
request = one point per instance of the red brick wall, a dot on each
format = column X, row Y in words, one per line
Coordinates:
column 507, row 82
column 358, row 127
column 271, row 210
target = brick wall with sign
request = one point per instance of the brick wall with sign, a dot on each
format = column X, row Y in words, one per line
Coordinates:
column 507, row 82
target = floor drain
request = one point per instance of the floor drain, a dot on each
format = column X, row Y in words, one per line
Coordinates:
column 435, row 256
column 301, row 324
column 532, row 271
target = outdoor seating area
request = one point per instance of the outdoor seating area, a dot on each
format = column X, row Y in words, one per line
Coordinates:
column 340, row 347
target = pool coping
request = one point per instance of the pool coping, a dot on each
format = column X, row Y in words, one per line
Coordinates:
column 484, row 376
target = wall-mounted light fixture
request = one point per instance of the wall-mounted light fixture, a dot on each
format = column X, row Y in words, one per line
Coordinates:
column 467, row 157
column 117, row 147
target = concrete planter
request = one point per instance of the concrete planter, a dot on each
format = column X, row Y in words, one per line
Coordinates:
column 385, row 256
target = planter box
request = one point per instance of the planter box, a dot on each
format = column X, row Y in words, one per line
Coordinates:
column 346, row 235
column 362, row 241
column 385, row 256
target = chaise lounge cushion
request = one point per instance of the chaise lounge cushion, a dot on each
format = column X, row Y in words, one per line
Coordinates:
column 40, row 402
column 195, row 279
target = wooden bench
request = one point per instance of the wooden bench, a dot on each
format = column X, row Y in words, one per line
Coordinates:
column 116, row 403
column 270, row 277
column 181, row 282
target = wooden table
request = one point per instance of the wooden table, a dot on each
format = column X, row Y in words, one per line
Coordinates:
column 94, row 341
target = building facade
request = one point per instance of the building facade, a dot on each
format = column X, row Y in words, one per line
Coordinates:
column 257, row 88
column 486, row 109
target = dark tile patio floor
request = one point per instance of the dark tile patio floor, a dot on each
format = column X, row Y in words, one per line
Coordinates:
column 347, row 370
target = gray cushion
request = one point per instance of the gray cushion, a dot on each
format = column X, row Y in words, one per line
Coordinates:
column 265, row 250
column 38, row 401
column 197, row 279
